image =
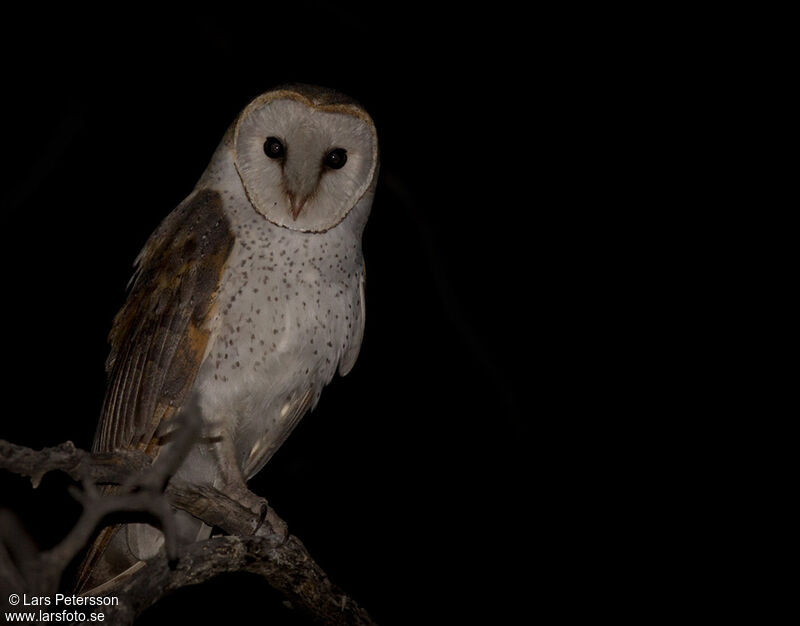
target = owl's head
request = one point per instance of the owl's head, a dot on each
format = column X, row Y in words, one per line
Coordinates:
column 306, row 156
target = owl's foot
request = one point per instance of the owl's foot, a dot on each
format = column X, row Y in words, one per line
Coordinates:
column 252, row 502
column 259, row 506
column 232, row 483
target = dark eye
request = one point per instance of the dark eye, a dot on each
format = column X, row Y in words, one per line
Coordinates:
column 273, row 148
column 336, row 158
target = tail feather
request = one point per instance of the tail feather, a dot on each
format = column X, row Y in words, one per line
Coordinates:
column 119, row 547
column 93, row 570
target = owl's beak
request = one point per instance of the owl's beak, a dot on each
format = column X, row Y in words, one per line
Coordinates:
column 297, row 202
column 299, row 182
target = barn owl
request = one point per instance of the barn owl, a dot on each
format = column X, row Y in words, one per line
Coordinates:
column 245, row 301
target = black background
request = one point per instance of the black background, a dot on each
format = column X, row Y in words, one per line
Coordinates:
column 424, row 481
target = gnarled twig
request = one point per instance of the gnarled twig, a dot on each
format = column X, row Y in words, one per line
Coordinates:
column 257, row 546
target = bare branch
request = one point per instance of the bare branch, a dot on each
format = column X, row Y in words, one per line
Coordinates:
column 95, row 507
column 141, row 483
column 217, row 509
column 261, row 547
column 17, row 554
column 286, row 566
column 78, row 464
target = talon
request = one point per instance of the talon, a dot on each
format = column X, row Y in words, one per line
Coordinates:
column 262, row 516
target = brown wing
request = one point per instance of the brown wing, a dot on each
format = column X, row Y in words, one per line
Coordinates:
column 159, row 338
